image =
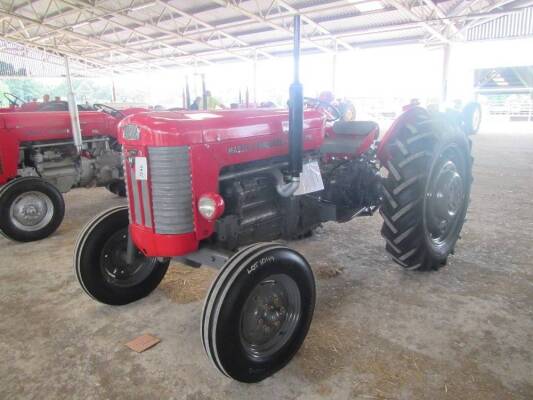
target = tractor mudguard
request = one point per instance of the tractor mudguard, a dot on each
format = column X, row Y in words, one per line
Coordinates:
column 9, row 151
column 405, row 118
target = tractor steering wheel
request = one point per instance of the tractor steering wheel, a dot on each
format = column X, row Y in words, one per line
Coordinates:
column 14, row 100
column 109, row 110
column 331, row 112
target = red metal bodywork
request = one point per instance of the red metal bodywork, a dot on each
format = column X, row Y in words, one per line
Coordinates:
column 20, row 127
column 25, row 107
column 216, row 140
column 407, row 117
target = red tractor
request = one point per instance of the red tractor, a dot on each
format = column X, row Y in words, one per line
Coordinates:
column 39, row 161
column 217, row 188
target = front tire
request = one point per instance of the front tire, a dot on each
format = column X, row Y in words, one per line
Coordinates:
column 118, row 188
column 100, row 264
column 30, row 209
column 258, row 311
column 427, row 191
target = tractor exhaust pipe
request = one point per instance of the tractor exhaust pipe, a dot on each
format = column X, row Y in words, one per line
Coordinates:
column 296, row 121
column 73, row 111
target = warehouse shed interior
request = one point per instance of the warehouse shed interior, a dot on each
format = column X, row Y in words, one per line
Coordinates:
column 295, row 132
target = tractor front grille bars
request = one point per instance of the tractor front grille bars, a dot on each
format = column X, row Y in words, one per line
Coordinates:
column 170, row 177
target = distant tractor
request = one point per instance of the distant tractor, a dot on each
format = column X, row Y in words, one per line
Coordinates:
column 39, row 161
column 218, row 188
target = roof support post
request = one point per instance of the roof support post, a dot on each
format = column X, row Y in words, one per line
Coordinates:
column 334, row 69
column 445, row 71
column 73, row 111
column 114, row 93
column 254, row 78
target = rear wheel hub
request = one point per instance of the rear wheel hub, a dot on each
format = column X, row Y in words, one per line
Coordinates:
column 445, row 201
column 31, row 211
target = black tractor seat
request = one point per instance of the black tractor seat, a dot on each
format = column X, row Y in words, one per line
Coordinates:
column 354, row 128
column 349, row 135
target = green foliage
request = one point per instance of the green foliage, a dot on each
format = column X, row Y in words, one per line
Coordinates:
column 26, row 89
column 3, row 89
column 86, row 90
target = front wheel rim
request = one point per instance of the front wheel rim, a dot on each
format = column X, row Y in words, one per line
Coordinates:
column 31, row 211
column 270, row 316
column 116, row 270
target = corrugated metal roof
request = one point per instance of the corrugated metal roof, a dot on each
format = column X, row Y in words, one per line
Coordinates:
column 518, row 24
column 118, row 35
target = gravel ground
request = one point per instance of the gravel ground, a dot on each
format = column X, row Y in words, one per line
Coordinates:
column 464, row 332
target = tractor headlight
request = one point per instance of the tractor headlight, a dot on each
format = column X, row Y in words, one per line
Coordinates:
column 211, row 206
column 132, row 132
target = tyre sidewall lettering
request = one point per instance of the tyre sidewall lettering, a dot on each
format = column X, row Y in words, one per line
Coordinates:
column 260, row 263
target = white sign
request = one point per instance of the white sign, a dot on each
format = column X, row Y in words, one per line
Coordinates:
column 141, row 169
column 310, row 179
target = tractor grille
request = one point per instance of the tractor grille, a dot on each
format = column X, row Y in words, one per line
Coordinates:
column 170, row 176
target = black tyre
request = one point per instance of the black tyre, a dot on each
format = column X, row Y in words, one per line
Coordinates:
column 258, row 311
column 118, row 188
column 427, row 191
column 100, row 261
column 471, row 117
column 30, row 209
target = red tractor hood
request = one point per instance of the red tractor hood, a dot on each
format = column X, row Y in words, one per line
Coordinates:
column 195, row 127
column 54, row 125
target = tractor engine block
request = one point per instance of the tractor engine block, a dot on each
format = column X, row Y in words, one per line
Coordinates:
column 99, row 164
column 253, row 211
column 256, row 212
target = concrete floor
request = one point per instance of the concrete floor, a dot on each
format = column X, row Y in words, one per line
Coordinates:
column 465, row 332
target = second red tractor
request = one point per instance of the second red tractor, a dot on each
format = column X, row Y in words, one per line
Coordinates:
column 39, row 161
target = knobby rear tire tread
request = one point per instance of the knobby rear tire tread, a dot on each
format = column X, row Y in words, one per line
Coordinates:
column 411, row 154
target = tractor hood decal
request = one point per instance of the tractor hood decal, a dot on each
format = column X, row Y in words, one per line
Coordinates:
column 246, row 147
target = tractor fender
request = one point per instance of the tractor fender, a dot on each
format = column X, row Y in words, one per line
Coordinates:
column 9, row 153
column 408, row 116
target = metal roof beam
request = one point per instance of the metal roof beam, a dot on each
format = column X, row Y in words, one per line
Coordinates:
column 109, row 14
column 236, row 7
column 439, row 13
column 309, row 21
column 212, row 28
column 169, row 34
column 207, row 27
column 94, row 62
column 407, row 11
column 102, row 43
column 336, row 4
column 483, row 10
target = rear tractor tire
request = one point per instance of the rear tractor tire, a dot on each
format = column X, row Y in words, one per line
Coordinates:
column 100, row 261
column 471, row 117
column 427, row 191
column 258, row 311
column 30, row 209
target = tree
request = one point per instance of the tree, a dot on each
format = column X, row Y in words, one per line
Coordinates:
column 26, row 89
column 3, row 89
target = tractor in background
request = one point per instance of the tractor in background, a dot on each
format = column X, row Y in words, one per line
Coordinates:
column 222, row 188
column 39, row 162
